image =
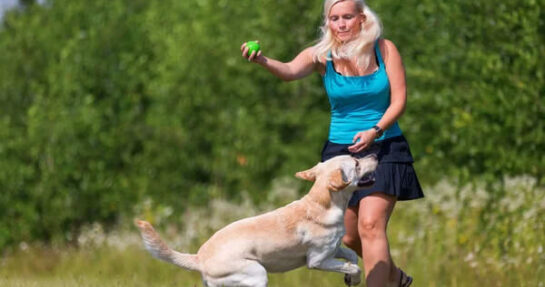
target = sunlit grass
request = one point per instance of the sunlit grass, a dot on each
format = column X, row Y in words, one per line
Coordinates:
column 454, row 237
column 131, row 267
column 103, row 266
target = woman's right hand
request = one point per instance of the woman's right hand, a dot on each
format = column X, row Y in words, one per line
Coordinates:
column 253, row 57
column 301, row 66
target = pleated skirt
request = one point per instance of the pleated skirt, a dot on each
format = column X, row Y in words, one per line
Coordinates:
column 394, row 175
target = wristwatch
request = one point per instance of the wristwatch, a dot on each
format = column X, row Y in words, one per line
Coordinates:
column 378, row 130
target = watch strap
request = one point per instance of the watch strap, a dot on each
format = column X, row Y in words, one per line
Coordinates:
column 378, row 130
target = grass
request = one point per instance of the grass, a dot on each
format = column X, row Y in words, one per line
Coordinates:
column 104, row 266
column 457, row 236
column 130, row 267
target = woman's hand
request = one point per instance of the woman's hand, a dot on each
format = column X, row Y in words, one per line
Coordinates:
column 253, row 57
column 301, row 66
column 362, row 140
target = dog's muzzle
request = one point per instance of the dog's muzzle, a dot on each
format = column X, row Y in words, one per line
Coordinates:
column 367, row 180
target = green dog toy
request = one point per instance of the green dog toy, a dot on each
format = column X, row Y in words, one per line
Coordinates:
column 252, row 47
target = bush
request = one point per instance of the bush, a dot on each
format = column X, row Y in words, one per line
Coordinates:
column 105, row 103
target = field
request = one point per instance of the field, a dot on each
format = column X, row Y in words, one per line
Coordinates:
column 454, row 237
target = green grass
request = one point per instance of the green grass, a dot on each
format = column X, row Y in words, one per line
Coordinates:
column 91, row 267
column 455, row 237
column 130, row 267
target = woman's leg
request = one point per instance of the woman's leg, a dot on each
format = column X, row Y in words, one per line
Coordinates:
column 351, row 237
column 373, row 214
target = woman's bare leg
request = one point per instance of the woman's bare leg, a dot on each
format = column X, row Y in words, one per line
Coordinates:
column 351, row 237
column 373, row 214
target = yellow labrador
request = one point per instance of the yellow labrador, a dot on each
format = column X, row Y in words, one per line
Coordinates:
column 305, row 232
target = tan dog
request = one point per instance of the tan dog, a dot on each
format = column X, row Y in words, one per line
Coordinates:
column 305, row 232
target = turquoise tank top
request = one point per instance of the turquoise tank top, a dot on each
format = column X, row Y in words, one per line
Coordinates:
column 357, row 102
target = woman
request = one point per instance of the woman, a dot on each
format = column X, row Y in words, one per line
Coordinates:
column 364, row 79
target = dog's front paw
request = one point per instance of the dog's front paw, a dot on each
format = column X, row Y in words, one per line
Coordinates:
column 352, row 279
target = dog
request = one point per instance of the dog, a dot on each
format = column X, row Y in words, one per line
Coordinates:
column 307, row 232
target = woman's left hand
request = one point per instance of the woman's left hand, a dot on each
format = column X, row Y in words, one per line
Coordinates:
column 362, row 140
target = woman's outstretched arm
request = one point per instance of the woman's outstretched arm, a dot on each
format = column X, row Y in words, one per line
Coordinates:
column 301, row 66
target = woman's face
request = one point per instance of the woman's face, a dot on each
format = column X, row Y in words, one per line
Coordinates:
column 345, row 20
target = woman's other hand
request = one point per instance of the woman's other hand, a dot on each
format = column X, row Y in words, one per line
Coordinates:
column 252, row 57
column 362, row 140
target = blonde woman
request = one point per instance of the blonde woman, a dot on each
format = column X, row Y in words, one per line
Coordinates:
column 364, row 79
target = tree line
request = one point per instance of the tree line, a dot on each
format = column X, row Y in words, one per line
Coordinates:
column 105, row 103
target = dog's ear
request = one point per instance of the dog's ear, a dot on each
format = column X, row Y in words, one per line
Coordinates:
column 337, row 180
column 309, row 174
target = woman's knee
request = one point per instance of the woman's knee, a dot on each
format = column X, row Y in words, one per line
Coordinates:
column 371, row 228
column 374, row 213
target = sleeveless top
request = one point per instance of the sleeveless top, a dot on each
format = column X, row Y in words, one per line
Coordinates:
column 357, row 102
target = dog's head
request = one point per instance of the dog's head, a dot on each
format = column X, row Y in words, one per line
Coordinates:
column 342, row 172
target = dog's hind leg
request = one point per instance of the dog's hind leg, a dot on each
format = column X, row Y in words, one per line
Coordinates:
column 257, row 275
column 252, row 274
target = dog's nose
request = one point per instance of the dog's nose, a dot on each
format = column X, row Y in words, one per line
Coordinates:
column 367, row 180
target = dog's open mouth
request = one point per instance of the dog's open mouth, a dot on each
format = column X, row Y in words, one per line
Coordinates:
column 367, row 180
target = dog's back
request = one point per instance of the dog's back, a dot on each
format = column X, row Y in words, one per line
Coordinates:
column 270, row 238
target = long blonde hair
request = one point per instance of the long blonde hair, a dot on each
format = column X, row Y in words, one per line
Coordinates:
column 360, row 48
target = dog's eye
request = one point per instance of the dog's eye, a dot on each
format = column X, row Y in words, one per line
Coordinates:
column 357, row 163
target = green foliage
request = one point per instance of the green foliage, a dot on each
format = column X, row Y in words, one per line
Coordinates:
column 106, row 103
column 109, row 102
column 476, row 83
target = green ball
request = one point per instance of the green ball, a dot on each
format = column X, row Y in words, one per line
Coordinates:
column 252, row 47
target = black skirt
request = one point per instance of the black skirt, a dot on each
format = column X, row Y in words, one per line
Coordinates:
column 394, row 175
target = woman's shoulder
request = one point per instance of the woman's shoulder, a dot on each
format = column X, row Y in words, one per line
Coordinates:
column 386, row 44
column 318, row 60
column 310, row 52
column 387, row 48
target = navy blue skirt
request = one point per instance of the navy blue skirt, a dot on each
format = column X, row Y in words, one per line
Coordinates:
column 394, row 175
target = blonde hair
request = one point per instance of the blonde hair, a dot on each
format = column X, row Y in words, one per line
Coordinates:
column 360, row 48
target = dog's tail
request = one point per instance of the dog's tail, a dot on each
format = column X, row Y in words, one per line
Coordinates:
column 155, row 245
